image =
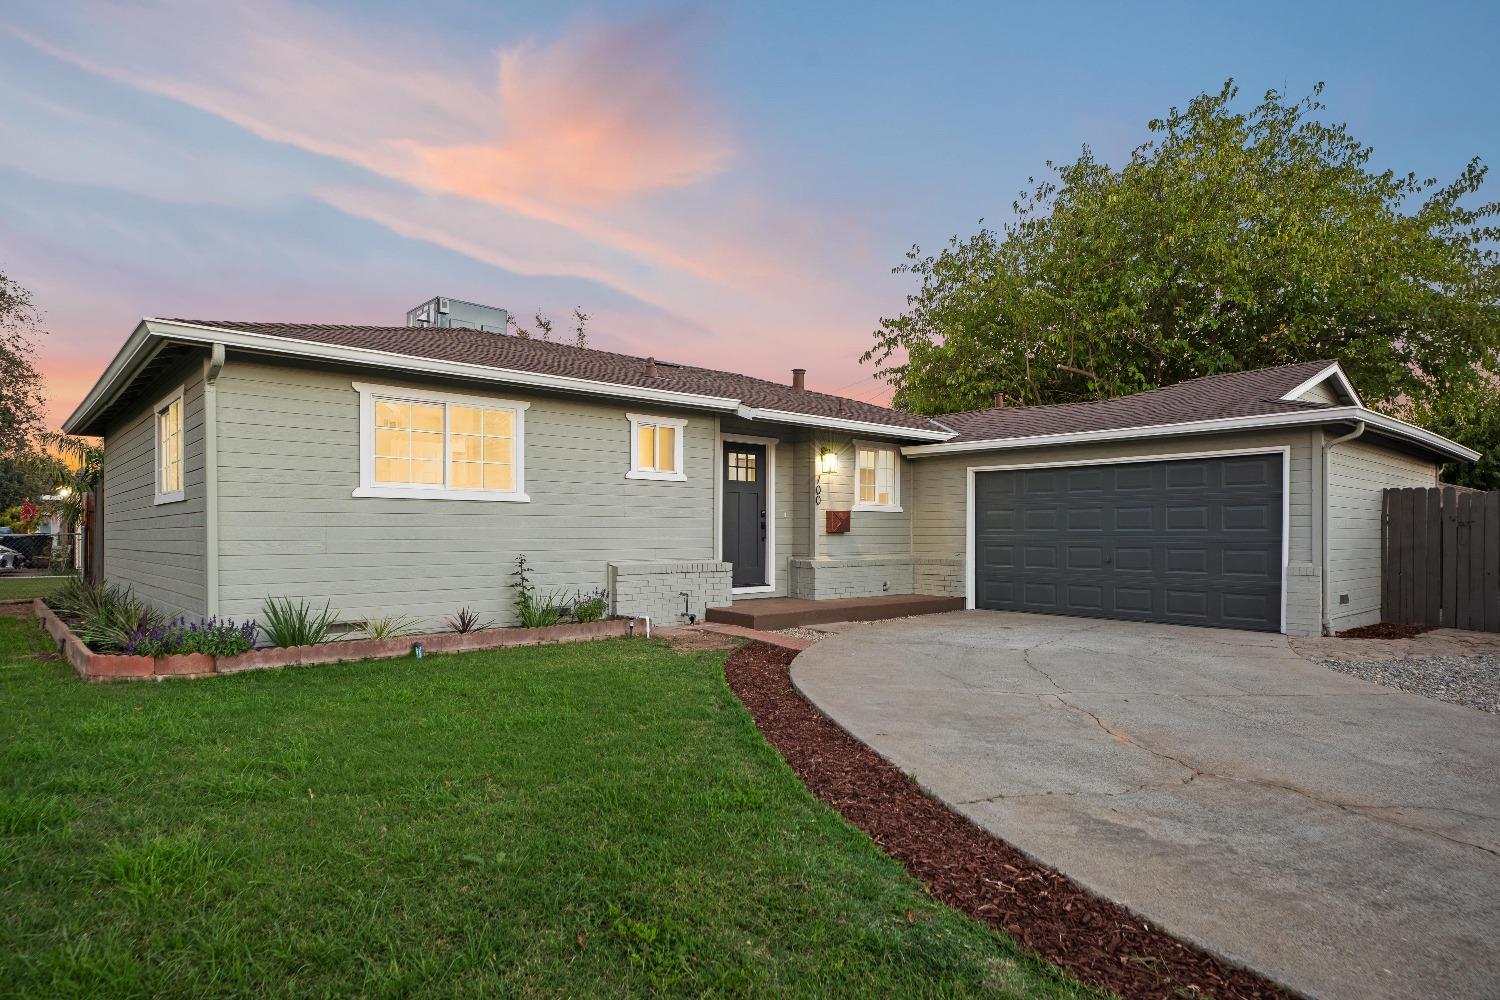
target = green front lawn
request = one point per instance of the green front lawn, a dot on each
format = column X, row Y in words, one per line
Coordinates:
column 592, row 819
column 16, row 588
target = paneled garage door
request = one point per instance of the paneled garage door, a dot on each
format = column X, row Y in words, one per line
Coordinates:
column 1192, row 542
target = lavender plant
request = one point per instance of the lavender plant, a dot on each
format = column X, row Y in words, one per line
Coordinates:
column 179, row 636
column 590, row 607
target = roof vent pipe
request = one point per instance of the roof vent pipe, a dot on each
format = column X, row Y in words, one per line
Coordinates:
column 799, row 378
column 651, row 368
column 999, row 400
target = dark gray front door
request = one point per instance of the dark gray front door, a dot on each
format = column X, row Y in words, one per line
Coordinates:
column 745, row 512
column 1193, row 542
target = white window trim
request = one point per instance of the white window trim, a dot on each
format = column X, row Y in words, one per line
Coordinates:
column 368, row 487
column 895, row 450
column 769, row 587
column 180, row 494
column 636, row 472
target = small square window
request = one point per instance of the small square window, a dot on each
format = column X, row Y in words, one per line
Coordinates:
column 877, row 478
column 655, row 447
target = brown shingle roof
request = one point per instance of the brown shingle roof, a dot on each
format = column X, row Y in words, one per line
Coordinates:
column 1238, row 394
column 477, row 347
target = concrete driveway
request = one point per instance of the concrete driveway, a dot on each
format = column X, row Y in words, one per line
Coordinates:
column 1339, row 837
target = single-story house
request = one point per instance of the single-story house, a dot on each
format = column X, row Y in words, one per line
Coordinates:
column 403, row 469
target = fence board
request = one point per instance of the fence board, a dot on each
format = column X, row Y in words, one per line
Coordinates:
column 1407, row 556
column 1492, row 562
column 1450, row 546
column 1463, row 563
column 1420, row 558
column 1387, row 578
column 1432, row 581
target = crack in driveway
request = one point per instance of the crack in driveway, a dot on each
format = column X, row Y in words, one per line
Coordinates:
column 1368, row 811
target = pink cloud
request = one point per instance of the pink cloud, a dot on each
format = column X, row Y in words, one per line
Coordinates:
column 598, row 117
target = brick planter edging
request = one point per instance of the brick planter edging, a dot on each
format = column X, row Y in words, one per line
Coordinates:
column 110, row 666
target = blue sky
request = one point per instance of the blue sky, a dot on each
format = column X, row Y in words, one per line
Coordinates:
column 728, row 185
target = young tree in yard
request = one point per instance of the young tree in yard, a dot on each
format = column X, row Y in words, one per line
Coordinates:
column 1231, row 240
column 21, row 399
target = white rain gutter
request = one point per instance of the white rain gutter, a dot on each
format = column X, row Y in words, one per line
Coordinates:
column 842, row 424
column 1359, row 430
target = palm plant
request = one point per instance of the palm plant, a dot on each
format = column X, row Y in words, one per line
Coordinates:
column 72, row 466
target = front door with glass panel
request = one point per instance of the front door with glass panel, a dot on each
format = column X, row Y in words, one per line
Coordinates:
column 745, row 533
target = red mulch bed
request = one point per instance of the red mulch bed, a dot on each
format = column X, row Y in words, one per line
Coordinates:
column 1100, row 943
column 1385, row 630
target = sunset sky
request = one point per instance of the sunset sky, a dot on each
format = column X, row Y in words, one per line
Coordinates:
column 721, row 185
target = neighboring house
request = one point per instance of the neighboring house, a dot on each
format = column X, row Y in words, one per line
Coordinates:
column 402, row 469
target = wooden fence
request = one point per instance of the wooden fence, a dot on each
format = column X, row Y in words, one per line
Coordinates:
column 1440, row 558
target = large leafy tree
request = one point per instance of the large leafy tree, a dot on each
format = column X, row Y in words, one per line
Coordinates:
column 1233, row 239
column 22, row 403
column 1469, row 415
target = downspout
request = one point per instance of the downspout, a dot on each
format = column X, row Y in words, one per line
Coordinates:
column 211, row 477
column 1359, row 428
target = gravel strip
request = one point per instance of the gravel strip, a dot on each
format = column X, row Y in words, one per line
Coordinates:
column 810, row 634
column 1471, row 681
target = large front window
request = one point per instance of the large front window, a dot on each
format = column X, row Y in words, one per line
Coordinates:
column 430, row 445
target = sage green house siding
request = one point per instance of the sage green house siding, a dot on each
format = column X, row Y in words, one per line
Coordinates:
column 288, row 525
column 284, row 520
column 1358, row 474
column 158, row 550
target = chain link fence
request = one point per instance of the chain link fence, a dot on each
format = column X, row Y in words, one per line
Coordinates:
column 39, row 553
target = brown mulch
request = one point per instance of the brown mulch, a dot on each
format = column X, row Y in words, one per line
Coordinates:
column 1385, row 630
column 1100, row 943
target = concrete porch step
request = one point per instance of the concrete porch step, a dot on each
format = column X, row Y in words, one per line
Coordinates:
column 789, row 612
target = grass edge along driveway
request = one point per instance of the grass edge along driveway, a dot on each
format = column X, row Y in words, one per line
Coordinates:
column 593, row 819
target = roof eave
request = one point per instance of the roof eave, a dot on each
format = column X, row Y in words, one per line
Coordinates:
column 1451, row 450
column 843, row 424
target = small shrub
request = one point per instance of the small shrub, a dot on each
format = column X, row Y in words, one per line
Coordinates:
column 78, row 597
column 590, row 608
column 467, row 620
column 536, row 610
column 543, row 611
column 214, row 637
column 115, row 618
column 390, row 626
column 287, row 624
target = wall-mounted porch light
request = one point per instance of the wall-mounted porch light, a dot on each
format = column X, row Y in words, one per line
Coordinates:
column 828, row 462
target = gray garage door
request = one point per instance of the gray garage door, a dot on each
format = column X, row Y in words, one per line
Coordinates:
column 1193, row 542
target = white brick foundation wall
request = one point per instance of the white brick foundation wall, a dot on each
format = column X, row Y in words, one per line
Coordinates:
column 1304, row 599
column 655, row 589
column 938, row 577
column 855, row 576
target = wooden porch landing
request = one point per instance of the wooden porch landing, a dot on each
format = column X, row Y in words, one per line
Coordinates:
column 789, row 612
